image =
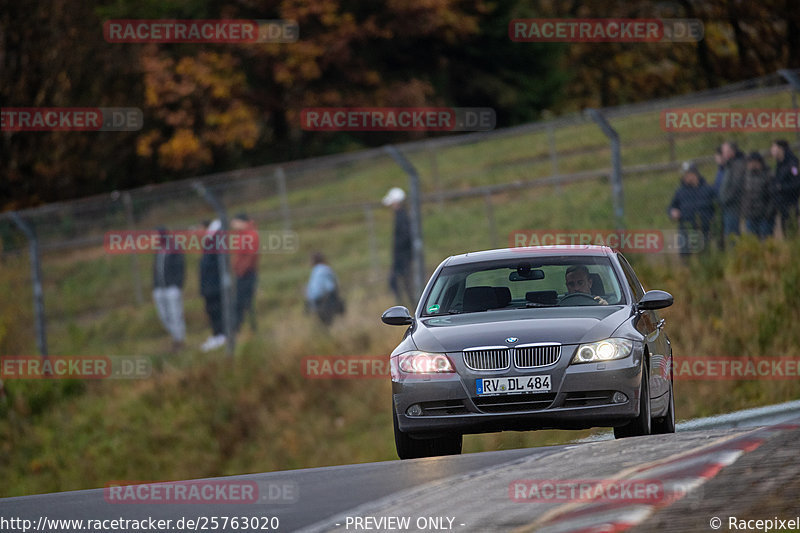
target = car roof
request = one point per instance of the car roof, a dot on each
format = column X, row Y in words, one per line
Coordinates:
column 528, row 251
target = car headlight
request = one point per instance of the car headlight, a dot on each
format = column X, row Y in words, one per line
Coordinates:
column 415, row 362
column 605, row 350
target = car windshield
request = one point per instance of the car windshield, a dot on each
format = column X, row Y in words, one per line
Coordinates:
column 524, row 283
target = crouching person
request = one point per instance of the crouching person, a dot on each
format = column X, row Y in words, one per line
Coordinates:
column 322, row 291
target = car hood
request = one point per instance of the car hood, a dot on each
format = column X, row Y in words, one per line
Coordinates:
column 564, row 325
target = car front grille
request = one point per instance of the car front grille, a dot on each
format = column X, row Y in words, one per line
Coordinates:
column 535, row 356
column 487, row 358
column 531, row 356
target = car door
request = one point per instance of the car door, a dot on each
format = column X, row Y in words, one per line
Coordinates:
column 651, row 326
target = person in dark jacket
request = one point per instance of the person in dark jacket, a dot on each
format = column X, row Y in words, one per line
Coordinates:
column 402, row 253
column 756, row 201
column 211, row 290
column 786, row 185
column 718, row 159
column 692, row 206
column 168, row 274
column 731, row 189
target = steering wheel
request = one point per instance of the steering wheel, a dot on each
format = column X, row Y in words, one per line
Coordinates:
column 578, row 298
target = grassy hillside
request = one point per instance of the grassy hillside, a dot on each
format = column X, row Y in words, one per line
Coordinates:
column 203, row 415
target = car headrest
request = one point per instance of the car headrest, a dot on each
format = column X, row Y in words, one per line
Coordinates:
column 597, row 285
column 542, row 297
column 479, row 299
column 503, row 295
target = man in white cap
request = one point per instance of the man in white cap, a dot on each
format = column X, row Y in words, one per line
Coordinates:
column 400, row 275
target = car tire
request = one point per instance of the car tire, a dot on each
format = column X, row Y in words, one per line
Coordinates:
column 642, row 424
column 411, row 448
column 666, row 424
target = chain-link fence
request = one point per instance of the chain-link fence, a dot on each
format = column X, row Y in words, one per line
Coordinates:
column 512, row 186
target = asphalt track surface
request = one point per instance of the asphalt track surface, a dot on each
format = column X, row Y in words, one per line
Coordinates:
column 466, row 493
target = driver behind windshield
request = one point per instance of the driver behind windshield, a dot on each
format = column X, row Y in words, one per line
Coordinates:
column 579, row 281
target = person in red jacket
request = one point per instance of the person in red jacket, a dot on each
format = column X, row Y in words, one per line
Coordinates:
column 245, row 268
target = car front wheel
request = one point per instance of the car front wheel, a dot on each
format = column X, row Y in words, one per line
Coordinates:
column 410, row 448
column 641, row 425
column 667, row 423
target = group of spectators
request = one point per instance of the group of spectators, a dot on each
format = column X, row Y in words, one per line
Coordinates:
column 749, row 195
column 168, row 279
column 322, row 291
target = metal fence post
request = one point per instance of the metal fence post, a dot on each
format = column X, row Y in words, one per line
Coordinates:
column 547, row 116
column 36, row 279
column 487, row 198
column 616, row 163
column 280, row 178
column 671, row 142
column 372, row 242
column 415, row 215
column 435, row 174
column 137, row 279
column 228, row 296
column 791, row 77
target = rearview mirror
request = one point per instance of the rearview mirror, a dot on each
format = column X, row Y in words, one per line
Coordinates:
column 526, row 275
column 397, row 316
column 655, row 300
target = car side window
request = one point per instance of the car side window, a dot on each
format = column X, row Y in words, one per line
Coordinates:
column 630, row 277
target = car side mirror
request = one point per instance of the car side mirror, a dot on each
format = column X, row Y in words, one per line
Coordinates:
column 397, row 316
column 654, row 300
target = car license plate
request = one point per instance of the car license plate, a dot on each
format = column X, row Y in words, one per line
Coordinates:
column 515, row 385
